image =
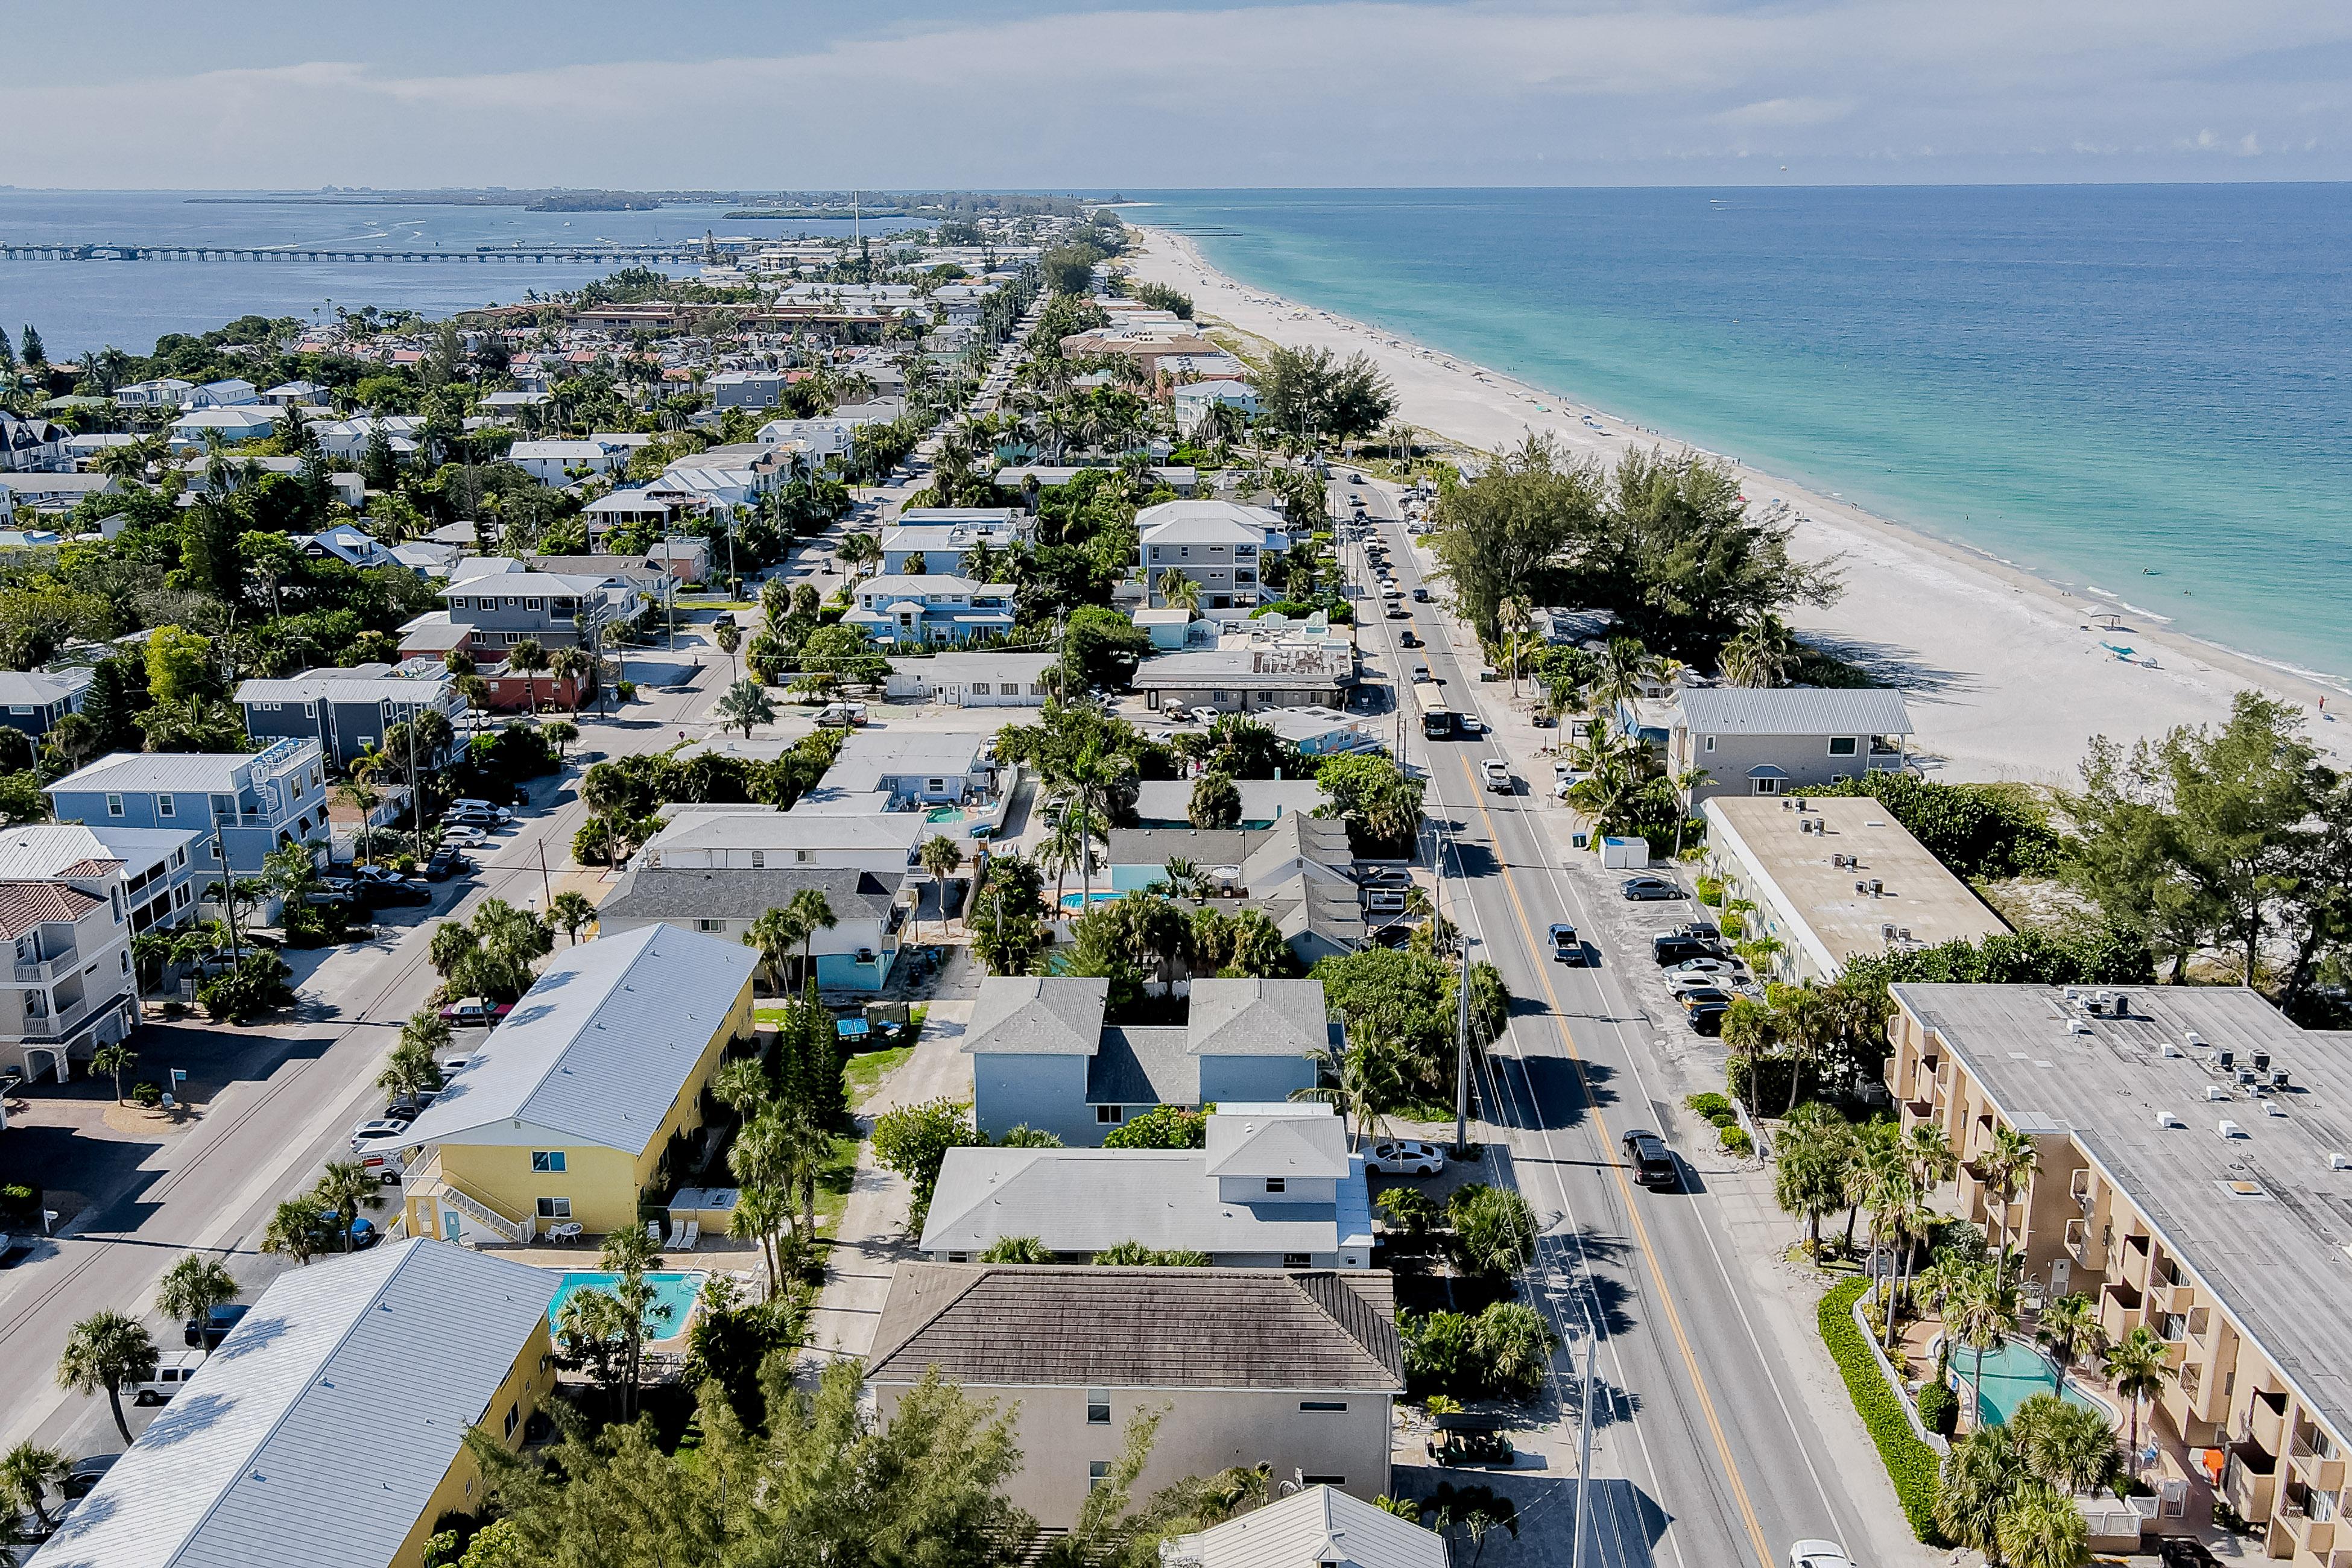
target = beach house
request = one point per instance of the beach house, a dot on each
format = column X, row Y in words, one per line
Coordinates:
column 753, row 838
column 34, row 701
column 348, row 711
column 1769, row 741
column 571, row 1109
column 931, row 609
column 1045, row 1058
column 1275, row 1188
column 1297, row 1373
column 248, row 803
column 974, row 680
column 1218, row 544
column 942, row 536
column 854, row 953
column 258, row 1460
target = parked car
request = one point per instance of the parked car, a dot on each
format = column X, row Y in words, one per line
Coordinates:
column 1385, row 877
column 1405, row 1157
column 476, row 811
column 1496, row 774
column 1680, row 982
column 446, row 863
column 1567, row 946
column 463, row 836
column 1723, row 969
column 1649, row 888
column 1706, row 1018
column 475, row 802
column 83, row 1476
column 396, row 891
column 2177, row 1551
column 384, row 1161
column 1670, row 951
column 213, row 1327
column 172, row 1368
column 475, row 1013
column 1653, row 1161
column 381, row 1128
column 1702, row 930
column 364, row 1233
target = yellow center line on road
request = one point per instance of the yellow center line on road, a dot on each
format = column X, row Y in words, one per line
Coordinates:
column 1617, row 1170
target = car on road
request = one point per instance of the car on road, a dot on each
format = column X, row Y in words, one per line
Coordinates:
column 1405, row 1157
column 1399, row 613
column 172, row 1368
column 475, row 1013
column 1496, row 774
column 1650, row 888
column 1653, row 1161
column 215, row 1326
column 1829, row 1554
column 1471, row 723
column 381, row 1127
column 1567, row 946
column 1389, row 591
column 1406, row 638
column 1420, row 596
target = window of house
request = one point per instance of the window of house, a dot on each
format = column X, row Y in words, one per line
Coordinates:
column 1843, row 746
column 13, row 708
column 1324, row 1406
column 1768, row 787
column 758, row 860
column 1105, row 1115
column 714, row 928
column 1098, row 1472
column 514, row 1417
column 164, row 806
column 546, row 1161
column 555, row 1208
column 1008, row 688
column 1098, row 1407
column 114, row 806
column 310, row 711
column 532, row 605
column 804, row 856
column 938, row 785
column 1298, row 1259
column 1708, row 745
column 1277, row 1183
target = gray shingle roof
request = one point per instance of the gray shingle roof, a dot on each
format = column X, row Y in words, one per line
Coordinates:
column 1259, row 1019
column 252, row 1466
column 1079, row 1326
column 600, row 1048
column 693, row 892
column 1033, row 1015
column 1142, row 1065
column 1794, row 710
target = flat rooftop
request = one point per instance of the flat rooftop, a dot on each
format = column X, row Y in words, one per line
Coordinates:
column 2259, row 1217
column 1767, row 834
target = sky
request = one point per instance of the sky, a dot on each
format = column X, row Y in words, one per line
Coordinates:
column 1050, row 95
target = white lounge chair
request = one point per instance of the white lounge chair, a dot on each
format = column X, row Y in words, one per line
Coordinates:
column 677, row 1236
column 693, row 1235
column 653, row 1232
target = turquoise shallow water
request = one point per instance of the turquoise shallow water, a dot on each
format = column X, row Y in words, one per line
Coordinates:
column 2015, row 1371
column 675, row 1292
column 2140, row 389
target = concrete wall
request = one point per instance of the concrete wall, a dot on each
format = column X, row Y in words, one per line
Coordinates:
column 1203, row 1431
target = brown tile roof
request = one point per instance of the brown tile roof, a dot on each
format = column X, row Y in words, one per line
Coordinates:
column 1139, row 1328
column 24, row 905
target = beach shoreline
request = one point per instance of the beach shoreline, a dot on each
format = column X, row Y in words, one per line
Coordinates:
column 2008, row 675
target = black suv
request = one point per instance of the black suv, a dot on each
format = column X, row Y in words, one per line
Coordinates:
column 1672, row 950
column 1653, row 1161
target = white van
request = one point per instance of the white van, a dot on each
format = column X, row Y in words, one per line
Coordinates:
column 172, row 1368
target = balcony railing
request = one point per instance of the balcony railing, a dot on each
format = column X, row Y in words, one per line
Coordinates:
column 49, row 970
column 2322, row 1472
column 2266, row 1422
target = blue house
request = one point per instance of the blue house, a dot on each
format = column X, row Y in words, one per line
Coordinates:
column 1043, row 1057
column 248, row 803
column 34, row 701
column 931, row 609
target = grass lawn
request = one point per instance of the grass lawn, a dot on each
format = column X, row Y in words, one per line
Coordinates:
column 832, row 1185
column 864, row 1074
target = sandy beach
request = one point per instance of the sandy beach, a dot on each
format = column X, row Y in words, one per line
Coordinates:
column 2007, row 677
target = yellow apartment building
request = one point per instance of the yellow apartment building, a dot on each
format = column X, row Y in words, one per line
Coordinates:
column 2195, row 1175
column 562, row 1119
column 329, row 1426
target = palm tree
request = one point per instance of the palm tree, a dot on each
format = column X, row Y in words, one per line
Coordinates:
column 571, row 913
column 745, row 704
column 775, row 934
column 2040, row 1527
column 858, row 551
column 568, row 663
column 528, row 659
column 814, row 911
column 1800, row 1018
column 2069, row 1329
column 1627, row 670
column 1183, row 879
column 626, row 1252
column 1978, row 1474
column 1368, row 1080
column 410, row 1073
column 2136, row 1367
column 1982, row 1313
column 114, row 1060
column 346, row 1187
column 105, row 1351
column 27, row 1471
column 1765, row 653
column 942, row 858
column 1748, row 1034
column 762, row 1212
column 193, row 1287
column 1179, row 591
column 2007, row 1169
column 293, row 1231
column 729, row 636
column 1813, row 1174
column 2070, row 1446
column 1090, row 776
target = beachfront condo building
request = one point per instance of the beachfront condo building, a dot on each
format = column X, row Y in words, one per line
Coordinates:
column 2194, row 1176
column 569, row 1112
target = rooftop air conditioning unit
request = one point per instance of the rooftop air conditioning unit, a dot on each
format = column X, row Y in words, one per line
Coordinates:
column 2279, row 1078
column 1877, row 889
column 1886, row 933
column 1787, row 805
column 2339, row 1161
column 2261, row 1061
column 2215, row 1091
column 2223, row 1058
column 2078, row 1027
column 2246, row 1077
column 2193, row 1038
column 2073, row 994
column 1906, row 933
column 2165, row 1119
column 2272, row 1108
column 1801, row 803
column 2228, row 1128
column 1862, row 888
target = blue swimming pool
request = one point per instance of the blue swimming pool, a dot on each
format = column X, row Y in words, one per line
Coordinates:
column 2015, row 1371
column 673, row 1302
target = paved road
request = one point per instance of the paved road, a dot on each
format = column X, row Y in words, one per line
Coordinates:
column 1722, row 1460
column 263, row 1140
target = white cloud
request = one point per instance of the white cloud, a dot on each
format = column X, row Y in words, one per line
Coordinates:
column 1359, row 92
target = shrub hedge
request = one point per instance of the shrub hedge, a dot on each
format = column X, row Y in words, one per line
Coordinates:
column 1911, row 1464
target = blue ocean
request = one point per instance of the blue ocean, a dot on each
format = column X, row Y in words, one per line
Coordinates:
column 2141, row 390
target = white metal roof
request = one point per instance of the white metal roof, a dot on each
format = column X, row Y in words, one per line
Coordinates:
column 1205, row 521
column 600, row 1046
column 1321, row 1527
column 319, row 1430
column 1090, row 1200
column 1794, row 710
